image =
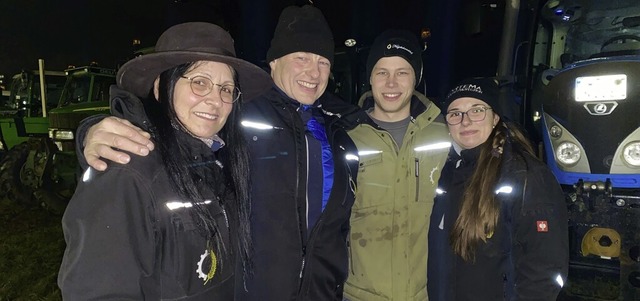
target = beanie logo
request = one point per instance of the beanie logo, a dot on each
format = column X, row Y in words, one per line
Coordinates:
column 466, row 88
column 396, row 46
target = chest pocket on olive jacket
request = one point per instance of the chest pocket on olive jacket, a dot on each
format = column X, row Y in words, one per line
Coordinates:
column 374, row 182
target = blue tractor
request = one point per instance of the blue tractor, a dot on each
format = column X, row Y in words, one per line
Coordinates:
column 583, row 104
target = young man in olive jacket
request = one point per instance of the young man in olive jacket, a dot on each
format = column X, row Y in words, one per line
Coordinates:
column 304, row 167
column 403, row 143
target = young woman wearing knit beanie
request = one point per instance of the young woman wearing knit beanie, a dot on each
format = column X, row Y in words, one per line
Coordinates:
column 499, row 224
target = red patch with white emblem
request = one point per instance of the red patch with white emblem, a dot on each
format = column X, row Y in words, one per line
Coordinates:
column 542, row 226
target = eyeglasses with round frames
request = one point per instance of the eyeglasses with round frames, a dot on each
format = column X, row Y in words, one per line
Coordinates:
column 202, row 86
column 474, row 114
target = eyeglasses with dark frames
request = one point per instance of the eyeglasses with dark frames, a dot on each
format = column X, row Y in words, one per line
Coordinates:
column 474, row 114
column 202, row 86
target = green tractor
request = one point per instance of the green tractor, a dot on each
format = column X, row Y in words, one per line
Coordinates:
column 21, row 111
column 42, row 168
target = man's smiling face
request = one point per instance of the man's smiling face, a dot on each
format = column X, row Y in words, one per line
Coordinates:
column 392, row 81
column 303, row 76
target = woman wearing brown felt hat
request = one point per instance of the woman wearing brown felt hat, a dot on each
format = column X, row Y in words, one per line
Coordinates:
column 173, row 224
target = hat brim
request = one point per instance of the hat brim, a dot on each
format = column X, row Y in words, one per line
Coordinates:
column 137, row 75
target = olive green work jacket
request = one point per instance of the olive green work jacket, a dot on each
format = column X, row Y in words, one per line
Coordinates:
column 390, row 217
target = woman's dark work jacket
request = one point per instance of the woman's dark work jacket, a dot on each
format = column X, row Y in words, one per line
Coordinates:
column 527, row 256
column 290, row 261
column 130, row 237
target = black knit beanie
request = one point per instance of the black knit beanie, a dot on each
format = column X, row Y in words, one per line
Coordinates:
column 483, row 88
column 400, row 43
column 301, row 29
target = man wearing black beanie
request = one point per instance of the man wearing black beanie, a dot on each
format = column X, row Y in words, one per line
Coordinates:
column 403, row 143
column 302, row 181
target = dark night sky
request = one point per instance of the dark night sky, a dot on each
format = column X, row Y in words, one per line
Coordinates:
column 77, row 32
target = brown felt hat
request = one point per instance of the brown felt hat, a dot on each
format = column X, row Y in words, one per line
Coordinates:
column 190, row 42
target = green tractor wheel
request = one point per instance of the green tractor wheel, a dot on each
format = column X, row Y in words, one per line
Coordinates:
column 54, row 202
column 11, row 172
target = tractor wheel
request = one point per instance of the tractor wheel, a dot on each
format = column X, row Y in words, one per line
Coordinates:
column 55, row 203
column 10, row 175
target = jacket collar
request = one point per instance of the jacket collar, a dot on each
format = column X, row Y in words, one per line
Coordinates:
column 128, row 106
column 422, row 110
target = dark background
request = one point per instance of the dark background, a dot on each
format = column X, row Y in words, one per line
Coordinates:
column 78, row 32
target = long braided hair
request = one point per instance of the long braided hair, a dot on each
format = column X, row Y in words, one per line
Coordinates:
column 480, row 210
column 234, row 157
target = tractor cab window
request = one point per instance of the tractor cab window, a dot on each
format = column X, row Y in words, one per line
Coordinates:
column 101, row 88
column 578, row 30
column 87, row 88
column 78, row 90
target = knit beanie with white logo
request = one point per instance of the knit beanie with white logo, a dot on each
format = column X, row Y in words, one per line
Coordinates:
column 400, row 43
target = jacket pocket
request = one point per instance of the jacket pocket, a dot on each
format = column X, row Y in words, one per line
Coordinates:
column 192, row 260
column 375, row 180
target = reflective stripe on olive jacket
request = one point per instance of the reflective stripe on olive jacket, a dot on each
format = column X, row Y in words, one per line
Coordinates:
column 390, row 217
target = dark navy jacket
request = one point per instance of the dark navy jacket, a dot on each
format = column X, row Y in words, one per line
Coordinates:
column 527, row 256
column 291, row 263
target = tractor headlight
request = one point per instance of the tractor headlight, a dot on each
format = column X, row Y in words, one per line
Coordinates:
column 63, row 135
column 568, row 153
column 631, row 153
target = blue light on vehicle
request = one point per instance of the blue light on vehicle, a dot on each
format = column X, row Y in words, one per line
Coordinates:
column 559, row 11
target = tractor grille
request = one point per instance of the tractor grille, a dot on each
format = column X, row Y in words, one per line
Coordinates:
column 68, row 121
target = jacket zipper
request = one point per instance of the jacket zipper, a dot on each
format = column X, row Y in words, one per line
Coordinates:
column 293, row 114
column 417, row 172
column 504, row 287
column 302, row 240
column 350, row 254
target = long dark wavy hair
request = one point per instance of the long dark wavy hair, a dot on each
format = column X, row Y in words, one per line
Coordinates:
column 480, row 210
column 234, row 156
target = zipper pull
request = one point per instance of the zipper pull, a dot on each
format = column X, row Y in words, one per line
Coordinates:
column 302, row 268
